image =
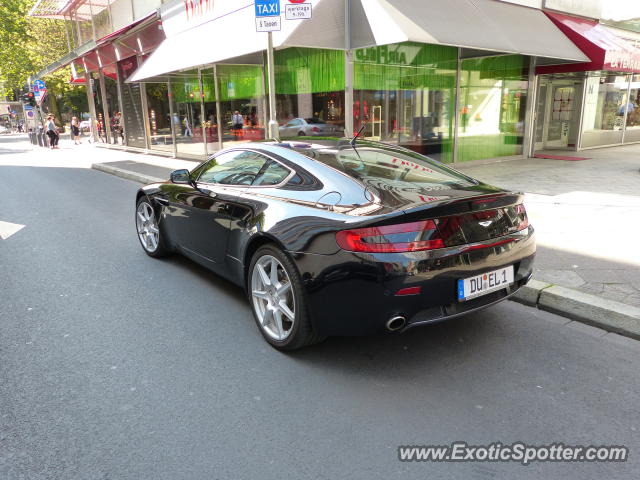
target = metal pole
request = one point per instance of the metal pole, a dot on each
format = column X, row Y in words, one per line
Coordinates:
column 105, row 107
column 273, row 130
column 172, row 113
column 203, row 118
column 581, row 113
column 456, row 109
column 120, row 104
column 530, row 113
column 218, row 106
column 348, row 72
column 92, row 104
column 145, row 115
column 265, row 100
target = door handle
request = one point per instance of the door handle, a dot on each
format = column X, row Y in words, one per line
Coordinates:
column 206, row 191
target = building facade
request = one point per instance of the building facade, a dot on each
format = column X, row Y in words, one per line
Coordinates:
column 457, row 80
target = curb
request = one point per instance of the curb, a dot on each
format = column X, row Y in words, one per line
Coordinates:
column 590, row 309
column 127, row 174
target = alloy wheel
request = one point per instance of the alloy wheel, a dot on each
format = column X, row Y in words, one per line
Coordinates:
column 147, row 227
column 273, row 297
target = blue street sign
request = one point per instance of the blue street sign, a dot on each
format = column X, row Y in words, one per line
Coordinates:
column 28, row 107
column 267, row 8
column 39, row 84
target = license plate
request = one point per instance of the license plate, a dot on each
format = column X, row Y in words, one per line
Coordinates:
column 484, row 283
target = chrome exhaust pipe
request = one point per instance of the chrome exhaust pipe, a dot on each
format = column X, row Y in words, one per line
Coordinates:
column 396, row 323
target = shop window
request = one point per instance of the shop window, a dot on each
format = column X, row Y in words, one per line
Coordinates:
column 242, row 104
column 309, row 92
column 632, row 133
column 132, row 117
column 493, row 94
column 604, row 107
column 159, row 116
column 404, row 94
column 102, row 22
column 187, row 114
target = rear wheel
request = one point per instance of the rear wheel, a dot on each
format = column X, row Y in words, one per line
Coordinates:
column 148, row 230
column 278, row 300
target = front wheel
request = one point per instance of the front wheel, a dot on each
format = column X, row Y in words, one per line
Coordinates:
column 278, row 300
column 148, row 230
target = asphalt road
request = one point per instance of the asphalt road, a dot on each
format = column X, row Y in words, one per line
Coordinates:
column 117, row 366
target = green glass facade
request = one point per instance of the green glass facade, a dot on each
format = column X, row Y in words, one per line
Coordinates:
column 403, row 93
column 493, row 95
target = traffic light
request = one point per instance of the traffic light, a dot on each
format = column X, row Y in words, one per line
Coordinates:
column 29, row 99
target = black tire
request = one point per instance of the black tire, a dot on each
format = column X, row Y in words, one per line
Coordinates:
column 301, row 134
column 302, row 333
column 160, row 250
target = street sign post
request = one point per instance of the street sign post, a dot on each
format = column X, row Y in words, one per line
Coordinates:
column 267, row 15
column 268, row 20
column 297, row 11
column 39, row 91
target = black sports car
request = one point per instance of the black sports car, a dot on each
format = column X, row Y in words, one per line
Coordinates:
column 339, row 238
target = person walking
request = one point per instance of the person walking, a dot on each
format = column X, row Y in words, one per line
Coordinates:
column 187, row 128
column 237, row 122
column 52, row 132
column 75, row 131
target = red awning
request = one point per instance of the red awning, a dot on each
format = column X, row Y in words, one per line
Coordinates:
column 124, row 43
column 606, row 50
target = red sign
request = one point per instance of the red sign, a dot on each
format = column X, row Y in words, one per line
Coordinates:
column 196, row 8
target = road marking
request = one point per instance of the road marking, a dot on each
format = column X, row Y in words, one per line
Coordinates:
column 7, row 229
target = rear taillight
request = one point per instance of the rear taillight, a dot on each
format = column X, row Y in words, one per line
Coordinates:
column 522, row 217
column 405, row 237
column 315, row 129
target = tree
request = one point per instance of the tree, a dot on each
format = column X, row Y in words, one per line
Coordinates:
column 27, row 45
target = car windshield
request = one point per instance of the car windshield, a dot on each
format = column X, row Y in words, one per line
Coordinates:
column 314, row 120
column 379, row 163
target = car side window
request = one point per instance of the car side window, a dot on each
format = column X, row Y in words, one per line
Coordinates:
column 272, row 175
column 233, row 168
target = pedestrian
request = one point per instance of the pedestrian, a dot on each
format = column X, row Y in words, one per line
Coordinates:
column 52, row 132
column 75, row 131
column 120, row 127
column 237, row 122
column 187, row 128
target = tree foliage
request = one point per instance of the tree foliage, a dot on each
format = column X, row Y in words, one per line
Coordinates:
column 29, row 44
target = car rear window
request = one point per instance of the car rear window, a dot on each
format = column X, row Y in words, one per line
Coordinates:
column 390, row 166
column 314, row 120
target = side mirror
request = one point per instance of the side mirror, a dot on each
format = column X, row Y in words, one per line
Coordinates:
column 181, row 177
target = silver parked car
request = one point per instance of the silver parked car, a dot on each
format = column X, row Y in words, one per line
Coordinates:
column 308, row 127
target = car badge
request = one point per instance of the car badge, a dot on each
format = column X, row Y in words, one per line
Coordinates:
column 486, row 223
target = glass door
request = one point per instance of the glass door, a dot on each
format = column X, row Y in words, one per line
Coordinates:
column 557, row 113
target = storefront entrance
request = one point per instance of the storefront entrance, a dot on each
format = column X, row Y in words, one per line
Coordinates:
column 558, row 113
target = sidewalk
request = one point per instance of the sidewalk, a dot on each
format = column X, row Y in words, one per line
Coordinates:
column 586, row 215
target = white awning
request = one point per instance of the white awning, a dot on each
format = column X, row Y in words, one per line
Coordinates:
column 477, row 24
column 234, row 35
column 486, row 25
